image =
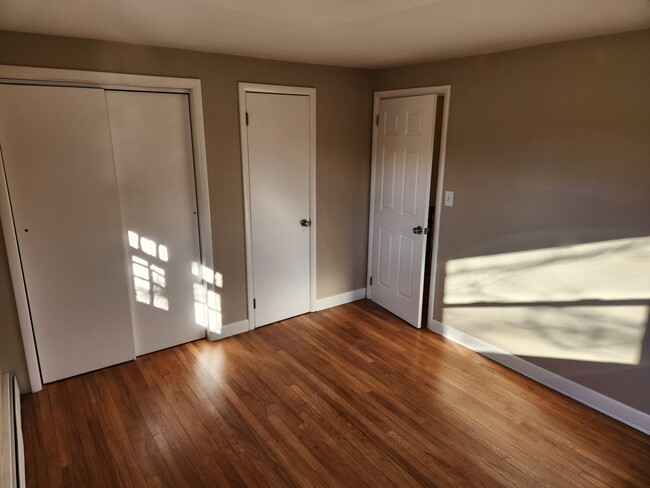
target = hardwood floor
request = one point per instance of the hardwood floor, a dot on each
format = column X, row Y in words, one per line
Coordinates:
column 350, row 397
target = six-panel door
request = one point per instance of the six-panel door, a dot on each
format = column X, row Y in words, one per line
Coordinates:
column 404, row 151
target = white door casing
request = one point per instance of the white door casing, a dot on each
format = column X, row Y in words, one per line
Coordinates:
column 402, row 177
column 152, row 147
column 279, row 146
column 58, row 160
column 305, row 211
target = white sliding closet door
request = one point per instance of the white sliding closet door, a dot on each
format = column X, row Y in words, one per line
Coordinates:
column 58, row 160
column 152, row 144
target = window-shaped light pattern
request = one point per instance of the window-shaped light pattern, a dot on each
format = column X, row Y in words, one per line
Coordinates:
column 207, row 300
column 585, row 302
column 149, row 280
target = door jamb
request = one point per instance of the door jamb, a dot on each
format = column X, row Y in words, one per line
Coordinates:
column 248, row 230
column 444, row 90
column 114, row 81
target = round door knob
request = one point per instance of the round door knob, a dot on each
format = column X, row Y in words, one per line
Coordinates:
column 417, row 230
column 305, row 223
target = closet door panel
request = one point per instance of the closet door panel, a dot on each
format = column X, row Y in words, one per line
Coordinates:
column 152, row 143
column 57, row 153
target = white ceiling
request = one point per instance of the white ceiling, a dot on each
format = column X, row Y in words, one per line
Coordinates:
column 356, row 33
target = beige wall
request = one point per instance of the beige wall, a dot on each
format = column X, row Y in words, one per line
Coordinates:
column 344, row 114
column 547, row 152
column 550, row 147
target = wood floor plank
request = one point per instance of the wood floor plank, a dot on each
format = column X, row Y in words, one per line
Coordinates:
column 291, row 396
column 350, row 396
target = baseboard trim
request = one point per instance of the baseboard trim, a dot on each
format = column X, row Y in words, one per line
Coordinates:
column 235, row 328
column 341, row 299
column 613, row 408
column 228, row 330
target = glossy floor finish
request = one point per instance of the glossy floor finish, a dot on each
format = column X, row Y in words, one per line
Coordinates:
column 350, row 397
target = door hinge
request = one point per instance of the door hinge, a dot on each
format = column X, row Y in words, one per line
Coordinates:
column 246, row 118
column 254, row 303
column 371, row 281
column 377, row 119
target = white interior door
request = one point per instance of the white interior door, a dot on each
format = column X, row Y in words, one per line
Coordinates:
column 152, row 144
column 57, row 153
column 278, row 160
column 403, row 160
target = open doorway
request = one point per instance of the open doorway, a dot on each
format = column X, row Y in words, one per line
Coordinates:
column 433, row 190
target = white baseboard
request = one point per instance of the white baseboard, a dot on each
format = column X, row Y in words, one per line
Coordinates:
column 341, row 299
column 624, row 413
column 234, row 328
column 228, row 330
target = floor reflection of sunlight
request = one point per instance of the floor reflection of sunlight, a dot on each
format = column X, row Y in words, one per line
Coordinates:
column 583, row 302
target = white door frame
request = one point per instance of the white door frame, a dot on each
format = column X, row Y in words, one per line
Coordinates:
column 113, row 81
column 281, row 90
column 444, row 90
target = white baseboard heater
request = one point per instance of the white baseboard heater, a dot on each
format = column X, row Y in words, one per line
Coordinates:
column 12, row 460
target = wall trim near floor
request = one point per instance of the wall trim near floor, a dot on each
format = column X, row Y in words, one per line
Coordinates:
column 613, row 408
column 340, row 299
column 228, row 330
column 241, row 326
